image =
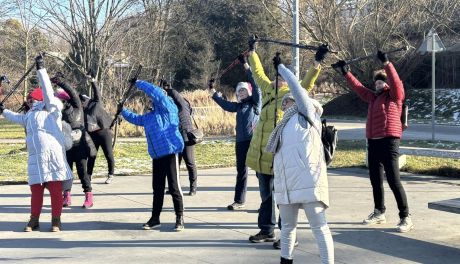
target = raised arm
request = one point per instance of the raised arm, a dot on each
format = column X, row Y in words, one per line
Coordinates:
column 256, row 94
column 15, row 117
column 258, row 74
column 303, row 102
column 97, row 97
column 160, row 99
column 74, row 99
column 226, row 105
column 364, row 93
column 132, row 117
column 309, row 80
column 395, row 83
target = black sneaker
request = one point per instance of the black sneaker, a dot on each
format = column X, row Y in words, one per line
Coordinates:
column 151, row 224
column 260, row 237
column 179, row 224
column 277, row 244
column 192, row 191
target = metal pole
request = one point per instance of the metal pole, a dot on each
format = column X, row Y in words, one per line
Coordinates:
column 295, row 39
column 433, row 84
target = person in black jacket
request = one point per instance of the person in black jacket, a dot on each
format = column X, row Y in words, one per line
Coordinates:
column 97, row 123
column 72, row 113
column 185, row 125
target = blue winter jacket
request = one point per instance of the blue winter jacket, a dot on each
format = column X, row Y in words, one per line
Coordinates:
column 247, row 111
column 161, row 125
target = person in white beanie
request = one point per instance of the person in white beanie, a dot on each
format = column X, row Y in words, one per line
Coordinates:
column 247, row 110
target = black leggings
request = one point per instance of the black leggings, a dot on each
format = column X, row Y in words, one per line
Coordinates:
column 384, row 155
column 78, row 155
column 102, row 138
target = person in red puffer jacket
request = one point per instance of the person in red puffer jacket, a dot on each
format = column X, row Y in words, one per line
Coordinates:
column 383, row 132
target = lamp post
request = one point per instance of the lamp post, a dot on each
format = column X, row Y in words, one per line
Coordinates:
column 432, row 43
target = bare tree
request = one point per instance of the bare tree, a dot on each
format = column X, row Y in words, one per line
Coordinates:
column 87, row 26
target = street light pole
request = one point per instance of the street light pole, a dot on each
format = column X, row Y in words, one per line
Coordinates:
column 295, row 38
column 433, row 86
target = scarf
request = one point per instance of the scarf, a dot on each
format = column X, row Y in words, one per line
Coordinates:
column 274, row 140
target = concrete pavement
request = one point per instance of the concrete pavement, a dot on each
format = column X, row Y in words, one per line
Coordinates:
column 110, row 232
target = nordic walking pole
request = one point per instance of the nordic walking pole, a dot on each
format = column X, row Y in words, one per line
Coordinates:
column 358, row 59
column 126, row 96
column 276, row 89
column 16, row 86
column 290, row 44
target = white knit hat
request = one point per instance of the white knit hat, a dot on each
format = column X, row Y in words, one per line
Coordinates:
column 244, row 85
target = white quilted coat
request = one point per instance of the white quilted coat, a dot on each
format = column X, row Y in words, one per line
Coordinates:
column 45, row 140
column 299, row 165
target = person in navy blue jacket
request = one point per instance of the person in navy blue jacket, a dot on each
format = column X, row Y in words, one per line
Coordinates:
column 165, row 142
column 247, row 113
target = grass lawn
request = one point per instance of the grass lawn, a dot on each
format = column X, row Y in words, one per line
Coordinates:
column 10, row 130
column 132, row 158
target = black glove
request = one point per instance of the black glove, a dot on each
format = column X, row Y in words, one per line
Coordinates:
column 132, row 81
column 2, row 107
column 277, row 60
column 342, row 65
column 3, row 78
column 252, row 42
column 39, row 62
column 382, row 56
column 242, row 59
column 119, row 107
column 211, row 83
column 321, row 53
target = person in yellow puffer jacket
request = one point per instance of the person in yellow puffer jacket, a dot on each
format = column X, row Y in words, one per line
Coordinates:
column 259, row 160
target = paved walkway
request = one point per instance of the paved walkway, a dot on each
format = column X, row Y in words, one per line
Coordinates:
column 110, row 232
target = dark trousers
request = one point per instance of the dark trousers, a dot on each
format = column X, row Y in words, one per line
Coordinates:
column 188, row 154
column 241, row 151
column 102, row 138
column 78, row 155
column 166, row 167
column 383, row 154
column 267, row 219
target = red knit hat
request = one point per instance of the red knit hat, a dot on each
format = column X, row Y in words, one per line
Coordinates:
column 36, row 94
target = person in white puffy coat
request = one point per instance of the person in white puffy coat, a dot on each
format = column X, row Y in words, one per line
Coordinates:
column 300, row 173
column 47, row 166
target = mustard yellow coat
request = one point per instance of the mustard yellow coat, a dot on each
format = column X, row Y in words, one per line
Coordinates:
column 257, row 159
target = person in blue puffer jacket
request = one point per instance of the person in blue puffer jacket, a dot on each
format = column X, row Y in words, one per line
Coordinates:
column 165, row 142
column 247, row 110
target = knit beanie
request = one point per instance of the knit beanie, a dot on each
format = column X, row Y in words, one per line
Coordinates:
column 244, row 85
column 61, row 94
column 36, row 94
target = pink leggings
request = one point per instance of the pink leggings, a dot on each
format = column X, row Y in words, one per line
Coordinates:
column 55, row 189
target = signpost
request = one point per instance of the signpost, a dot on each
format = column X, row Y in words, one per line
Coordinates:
column 432, row 43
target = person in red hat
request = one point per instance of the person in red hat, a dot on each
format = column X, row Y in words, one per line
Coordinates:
column 46, row 166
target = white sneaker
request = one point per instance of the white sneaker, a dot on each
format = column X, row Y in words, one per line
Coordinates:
column 109, row 179
column 405, row 225
column 375, row 217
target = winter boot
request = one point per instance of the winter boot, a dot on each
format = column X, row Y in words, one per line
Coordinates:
column 286, row 261
column 32, row 225
column 67, row 199
column 88, row 200
column 56, row 224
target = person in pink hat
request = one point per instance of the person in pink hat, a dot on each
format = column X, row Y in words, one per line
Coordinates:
column 82, row 147
column 247, row 110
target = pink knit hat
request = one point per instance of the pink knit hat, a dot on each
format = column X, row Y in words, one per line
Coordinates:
column 61, row 94
column 244, row 85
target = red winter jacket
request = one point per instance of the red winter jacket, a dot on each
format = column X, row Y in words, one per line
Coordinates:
column 384, row 111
